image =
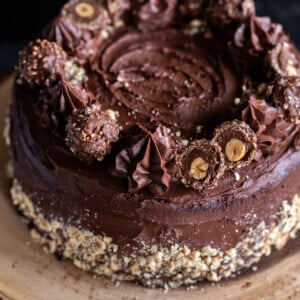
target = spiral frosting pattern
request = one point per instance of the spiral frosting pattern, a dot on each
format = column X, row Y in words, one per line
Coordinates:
column 167, row 77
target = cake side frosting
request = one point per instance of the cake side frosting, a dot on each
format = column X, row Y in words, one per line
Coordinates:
column 155, row 266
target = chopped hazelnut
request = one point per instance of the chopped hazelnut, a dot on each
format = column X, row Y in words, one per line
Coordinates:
column 235, row 150
column 199, row 168
column 112, row 114
column 237, row 101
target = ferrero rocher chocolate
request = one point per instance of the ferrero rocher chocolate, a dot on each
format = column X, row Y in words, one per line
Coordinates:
column 90, row 133
column 238, row 143
column 201, row 164
column 41, row 63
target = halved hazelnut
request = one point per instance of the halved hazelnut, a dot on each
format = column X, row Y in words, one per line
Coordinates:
column 199, row 168
column 84, row 10
column 238, row 142
column 200, row 164
column 235, row 150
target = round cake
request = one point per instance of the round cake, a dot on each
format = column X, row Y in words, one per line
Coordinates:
column 158, row 141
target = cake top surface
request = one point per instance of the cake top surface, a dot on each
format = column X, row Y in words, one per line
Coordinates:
column 164, row 98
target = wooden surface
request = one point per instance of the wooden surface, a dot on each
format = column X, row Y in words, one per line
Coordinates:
column 26, row 272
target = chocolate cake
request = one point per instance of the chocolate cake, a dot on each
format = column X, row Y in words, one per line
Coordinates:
column 158, row 141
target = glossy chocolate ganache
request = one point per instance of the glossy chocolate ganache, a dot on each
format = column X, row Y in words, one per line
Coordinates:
column 158, row 123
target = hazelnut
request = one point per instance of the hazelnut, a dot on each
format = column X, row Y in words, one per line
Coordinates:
column 235, row 150
column 112, row 114
column 84, row 10
column 238, row 142
column 199, row 168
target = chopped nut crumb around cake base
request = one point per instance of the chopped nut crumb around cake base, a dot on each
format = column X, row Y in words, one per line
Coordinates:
column 158, row 267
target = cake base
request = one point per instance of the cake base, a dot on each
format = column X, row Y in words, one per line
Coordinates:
column 157, row 267
column 30, row 274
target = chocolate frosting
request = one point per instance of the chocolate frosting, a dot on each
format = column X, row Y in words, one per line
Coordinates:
column 145, row 162
column 258, row 34
column 67, row 188
column 177, row 89
column 154, row 14
column 54, row 104
column 252, row 40
column 166, row 77
column 274, row 134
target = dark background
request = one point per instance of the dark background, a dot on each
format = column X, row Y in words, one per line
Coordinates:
column 21, row 20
